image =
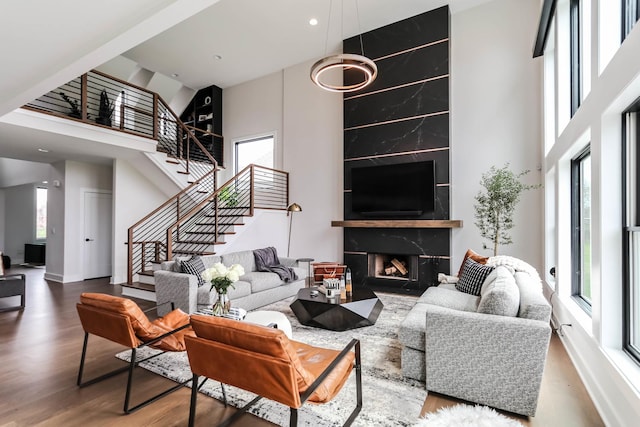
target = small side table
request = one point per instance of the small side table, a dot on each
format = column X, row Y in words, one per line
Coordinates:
column 309, row 281
column 266, row 317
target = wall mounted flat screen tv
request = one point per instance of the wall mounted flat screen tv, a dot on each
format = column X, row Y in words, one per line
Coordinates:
column 405, row 189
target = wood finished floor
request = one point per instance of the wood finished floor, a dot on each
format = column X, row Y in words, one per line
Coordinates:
column 40, row 352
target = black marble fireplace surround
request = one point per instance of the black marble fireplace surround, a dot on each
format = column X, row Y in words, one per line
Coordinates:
column 402, row 117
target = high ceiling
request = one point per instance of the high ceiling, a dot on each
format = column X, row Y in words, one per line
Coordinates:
column 66, row 38
column 256, row 37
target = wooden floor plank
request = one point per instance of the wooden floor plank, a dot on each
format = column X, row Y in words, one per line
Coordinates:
column 40, row 354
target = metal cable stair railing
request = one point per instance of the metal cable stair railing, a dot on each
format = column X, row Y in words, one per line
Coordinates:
column 255, row 187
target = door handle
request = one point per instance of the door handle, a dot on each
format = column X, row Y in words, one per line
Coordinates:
column 88, row 240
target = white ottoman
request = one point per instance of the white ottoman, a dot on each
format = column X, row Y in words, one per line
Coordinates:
column 265, row 317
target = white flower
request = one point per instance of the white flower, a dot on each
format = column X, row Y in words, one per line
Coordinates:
column 207, row 275
column 220, row 269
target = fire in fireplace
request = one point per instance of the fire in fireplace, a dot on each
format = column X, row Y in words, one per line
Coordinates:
column 393, row 266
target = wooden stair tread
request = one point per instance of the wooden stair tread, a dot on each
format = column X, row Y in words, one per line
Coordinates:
column 197, row 242
column 146, row 273
column 180, row 251
column 210, row 232
column 141, row 286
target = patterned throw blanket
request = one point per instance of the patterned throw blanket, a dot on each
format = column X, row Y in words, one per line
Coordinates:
column 267, row 260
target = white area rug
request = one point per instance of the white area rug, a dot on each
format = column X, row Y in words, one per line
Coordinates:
column 388, row 399
column 466, row 416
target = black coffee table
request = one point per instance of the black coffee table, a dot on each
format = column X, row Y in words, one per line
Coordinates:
column 361, row 309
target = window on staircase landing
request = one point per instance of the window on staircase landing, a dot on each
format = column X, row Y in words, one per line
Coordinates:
column 258, row 151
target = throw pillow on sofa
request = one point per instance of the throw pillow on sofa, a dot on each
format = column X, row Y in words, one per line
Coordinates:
column 500, row 294
column 194, row 266
column 472, row 277
column 480, row 259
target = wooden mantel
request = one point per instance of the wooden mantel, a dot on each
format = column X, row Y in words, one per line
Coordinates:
column 398, row 223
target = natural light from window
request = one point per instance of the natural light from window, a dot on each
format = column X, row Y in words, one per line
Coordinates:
column 41, row 213
column 258, row 151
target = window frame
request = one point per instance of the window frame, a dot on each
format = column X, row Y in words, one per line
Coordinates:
column 630, row 223
column 576, row 230
column 630, row 15
column 238, row 142
column 575, row 53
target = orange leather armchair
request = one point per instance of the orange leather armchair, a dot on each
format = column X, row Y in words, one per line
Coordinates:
column 121, row 320
column 266, row 362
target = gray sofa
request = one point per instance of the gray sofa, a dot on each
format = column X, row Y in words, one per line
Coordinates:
column 491, row 359
column 254, row 289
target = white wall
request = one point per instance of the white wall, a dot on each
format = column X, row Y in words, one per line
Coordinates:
column 308, row 126
column 134, row 196
column 79, row 177
column 20, row 220
column 2, row 226
column 65, row 216
column 17, row 172
column 56, row 224
column 495, row 118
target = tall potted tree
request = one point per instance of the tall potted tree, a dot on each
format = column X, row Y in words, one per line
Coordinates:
column 496, row 204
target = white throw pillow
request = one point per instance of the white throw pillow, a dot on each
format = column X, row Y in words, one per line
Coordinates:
column 499, row 294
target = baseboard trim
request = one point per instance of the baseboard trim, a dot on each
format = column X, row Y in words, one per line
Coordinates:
column 54, row 277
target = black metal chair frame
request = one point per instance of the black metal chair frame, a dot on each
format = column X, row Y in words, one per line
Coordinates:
column 12, row 285
column 130, row 367
column 293, row 417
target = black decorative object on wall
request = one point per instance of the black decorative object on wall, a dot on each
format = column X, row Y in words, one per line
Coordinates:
column 401, row 118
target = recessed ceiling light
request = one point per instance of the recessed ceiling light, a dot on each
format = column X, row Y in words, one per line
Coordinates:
column 313, row 21
column 45, row 182
column 175, row 75
column 217, row 57
column 43, row 150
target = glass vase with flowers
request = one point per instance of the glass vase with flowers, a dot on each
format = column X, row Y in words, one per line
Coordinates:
column 222, row 278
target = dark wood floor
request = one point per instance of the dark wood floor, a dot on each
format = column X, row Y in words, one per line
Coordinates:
column 40, row 351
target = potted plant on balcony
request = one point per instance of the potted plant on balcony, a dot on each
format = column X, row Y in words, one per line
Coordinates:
column 105, row 110
column 495, row 206
column 73, row 104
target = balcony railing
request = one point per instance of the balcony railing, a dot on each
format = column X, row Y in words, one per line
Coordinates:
column 106, row 101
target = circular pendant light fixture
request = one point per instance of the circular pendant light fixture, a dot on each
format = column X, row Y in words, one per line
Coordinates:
column 344, row 61
column 363, row 70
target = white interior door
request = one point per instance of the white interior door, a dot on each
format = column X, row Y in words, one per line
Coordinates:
column 97, row 235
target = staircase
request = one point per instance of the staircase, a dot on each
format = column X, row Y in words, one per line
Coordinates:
column 199, row 217
column 195, row 221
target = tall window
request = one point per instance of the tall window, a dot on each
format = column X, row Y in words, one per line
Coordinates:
column 631, row 249
column 258, row 151
column 41, row 213
column 581, row 226
column 576, row 54
column 630, row 15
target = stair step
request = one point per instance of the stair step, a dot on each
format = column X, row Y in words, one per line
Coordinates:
column 199, row 242
column 183, row 172
column 146, row 277
column 172, row 161
column 210, row 232
column 180, row 251
column 139, row 290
